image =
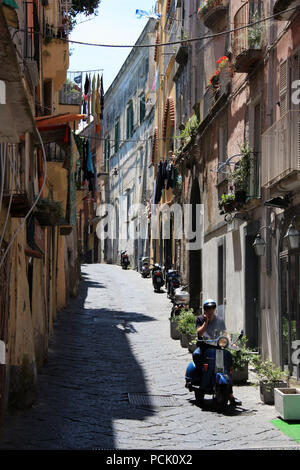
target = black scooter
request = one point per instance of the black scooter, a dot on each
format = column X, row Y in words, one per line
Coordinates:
column 157, row 278
column 145, row 269
column 172, row 282
column 124, row 260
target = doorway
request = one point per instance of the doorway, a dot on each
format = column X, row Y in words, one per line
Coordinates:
column 252, row 277
column 290, row 310
column 195, row 256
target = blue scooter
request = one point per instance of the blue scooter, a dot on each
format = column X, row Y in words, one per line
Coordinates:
column 210, row 372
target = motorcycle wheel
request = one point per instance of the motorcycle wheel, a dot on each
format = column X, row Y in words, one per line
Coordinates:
column 221, row 397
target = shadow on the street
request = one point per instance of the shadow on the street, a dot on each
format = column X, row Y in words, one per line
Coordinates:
column 84, row 385
column 209, row 406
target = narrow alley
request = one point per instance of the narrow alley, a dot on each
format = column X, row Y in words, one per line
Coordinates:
column 111, row 346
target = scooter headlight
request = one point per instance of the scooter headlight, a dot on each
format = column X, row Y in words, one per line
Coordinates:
column 223, row 342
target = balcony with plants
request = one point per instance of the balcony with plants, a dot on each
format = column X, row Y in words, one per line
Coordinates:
column 285, row 9
column 248, row 41
column 211, row 12
column 218, row 85
column 238, row 198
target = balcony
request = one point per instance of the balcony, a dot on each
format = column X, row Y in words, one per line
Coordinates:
column 281, row 5
column 281, row 154
column 248, row 42
column 211, row 13
column 55, row 56
column 71, row 92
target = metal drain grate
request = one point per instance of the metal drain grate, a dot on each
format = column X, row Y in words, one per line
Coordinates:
column 151, row 401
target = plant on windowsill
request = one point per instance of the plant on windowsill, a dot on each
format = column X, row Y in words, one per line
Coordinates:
column 269, row 377
column 189, row 130
column 239, row 178
column 227, row 204
column 208, row 6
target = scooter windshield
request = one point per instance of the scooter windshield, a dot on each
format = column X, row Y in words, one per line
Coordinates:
column 219, row 340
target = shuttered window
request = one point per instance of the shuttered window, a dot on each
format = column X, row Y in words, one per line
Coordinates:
column 142, row 107
column 129, row 120
column 117, row 135
column 283, row 87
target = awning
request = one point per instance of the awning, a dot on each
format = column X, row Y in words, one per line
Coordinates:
column 55, row 128
column 54, row 120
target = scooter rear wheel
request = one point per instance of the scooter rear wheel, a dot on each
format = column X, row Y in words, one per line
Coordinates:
column 199, row 396
column 221, row 397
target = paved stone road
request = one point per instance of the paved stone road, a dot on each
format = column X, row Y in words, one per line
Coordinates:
column 113, row 340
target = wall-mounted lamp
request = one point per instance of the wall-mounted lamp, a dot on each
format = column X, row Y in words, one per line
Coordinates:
column 292, row 236
column 259, row 244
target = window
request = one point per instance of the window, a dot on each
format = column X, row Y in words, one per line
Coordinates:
column 117, row 135
column 106, row 152
column 129, row 120
column 142, row 107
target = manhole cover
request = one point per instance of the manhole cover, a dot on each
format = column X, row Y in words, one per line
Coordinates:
column 152, row 401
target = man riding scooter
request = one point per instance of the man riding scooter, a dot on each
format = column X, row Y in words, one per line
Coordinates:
column 211, row 325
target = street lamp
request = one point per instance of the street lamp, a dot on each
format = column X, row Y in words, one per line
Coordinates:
column 292, row 236
column 259, row 244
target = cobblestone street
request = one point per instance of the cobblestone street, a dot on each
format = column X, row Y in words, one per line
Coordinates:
column 114, row 340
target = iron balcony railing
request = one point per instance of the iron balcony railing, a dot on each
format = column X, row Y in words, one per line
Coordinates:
column 31, row 33
column 281, row 149
column 71, row 92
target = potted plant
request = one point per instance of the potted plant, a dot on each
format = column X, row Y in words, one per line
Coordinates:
column 174, row 333
column 192, row 346
column 270, row 377
column 186, row 326
column 227, row 203
column 240, row 361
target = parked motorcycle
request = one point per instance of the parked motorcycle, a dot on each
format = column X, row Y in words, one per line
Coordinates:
column 210, row 372
column 157, row 277
column 145, row 269
column 181, row 300
column 172, row 282
column 124, row 260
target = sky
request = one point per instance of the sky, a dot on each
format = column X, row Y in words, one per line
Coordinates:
column 116, row 23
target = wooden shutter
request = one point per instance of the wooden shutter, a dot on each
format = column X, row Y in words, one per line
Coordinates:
column 283, row 87
column 295, row 76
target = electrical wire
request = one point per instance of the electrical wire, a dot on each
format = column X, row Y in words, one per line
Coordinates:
column 189, row 40
column 34, row 204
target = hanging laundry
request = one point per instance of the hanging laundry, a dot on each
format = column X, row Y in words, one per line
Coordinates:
column 94, row 96
column 101, row 98
column 98, row 106
column 86, row 96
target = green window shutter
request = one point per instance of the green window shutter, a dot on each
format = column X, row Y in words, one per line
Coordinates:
column 142, row 107
column 117, row 136
column 129, row 120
